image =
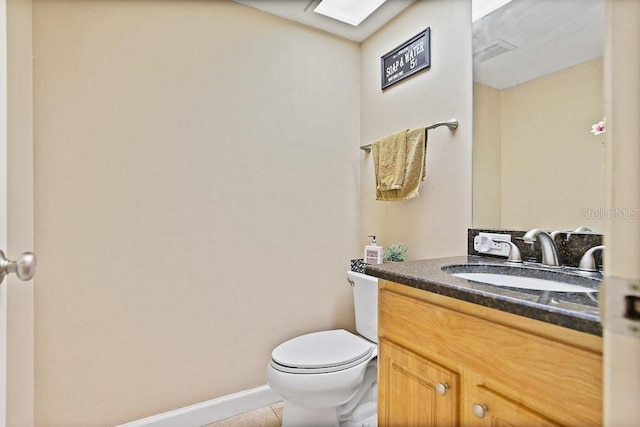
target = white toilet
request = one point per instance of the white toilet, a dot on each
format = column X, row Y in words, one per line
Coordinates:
column 330, row 378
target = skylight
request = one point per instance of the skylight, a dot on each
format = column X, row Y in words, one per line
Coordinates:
column 481, row 8
column 353, row 12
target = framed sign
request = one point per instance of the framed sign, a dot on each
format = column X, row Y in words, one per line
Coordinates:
column 407, row 59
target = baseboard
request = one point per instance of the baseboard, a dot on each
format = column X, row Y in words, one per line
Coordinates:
column 212, row 410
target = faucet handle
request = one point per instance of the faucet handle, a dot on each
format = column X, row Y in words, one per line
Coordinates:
column 514, row 251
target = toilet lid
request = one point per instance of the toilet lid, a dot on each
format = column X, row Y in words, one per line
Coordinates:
column 325, row 351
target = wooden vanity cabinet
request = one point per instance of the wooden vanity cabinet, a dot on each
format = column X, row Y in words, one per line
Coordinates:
column 446, row 362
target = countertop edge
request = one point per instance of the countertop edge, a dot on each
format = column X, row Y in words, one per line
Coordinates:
column 427, row 275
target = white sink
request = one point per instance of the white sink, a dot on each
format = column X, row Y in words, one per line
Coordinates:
column 522, row 282
column 524, row 277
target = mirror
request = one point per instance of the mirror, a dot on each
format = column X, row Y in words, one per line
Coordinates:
column 538, row 89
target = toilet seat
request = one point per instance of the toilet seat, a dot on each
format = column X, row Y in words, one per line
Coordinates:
column 321, row 352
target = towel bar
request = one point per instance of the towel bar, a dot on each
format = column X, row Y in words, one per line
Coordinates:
column 451, row 124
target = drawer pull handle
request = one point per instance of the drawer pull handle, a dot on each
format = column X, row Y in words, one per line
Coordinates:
column 441, row 388
column 479, row 410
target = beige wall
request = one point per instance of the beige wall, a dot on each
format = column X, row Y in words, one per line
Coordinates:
column 188, row 191
column 197, row 200
column 487, row 157
column 552, row 168
column 20, row 218
column 433, row 225
column 552, row 165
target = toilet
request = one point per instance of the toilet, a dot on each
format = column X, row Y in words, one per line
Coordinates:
column 330, row 378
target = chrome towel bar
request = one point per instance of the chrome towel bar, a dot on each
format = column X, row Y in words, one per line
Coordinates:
column 451, row 124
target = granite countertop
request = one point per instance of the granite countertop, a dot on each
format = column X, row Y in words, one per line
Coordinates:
column 574, row 310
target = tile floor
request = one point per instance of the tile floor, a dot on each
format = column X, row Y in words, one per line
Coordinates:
column 269, row 416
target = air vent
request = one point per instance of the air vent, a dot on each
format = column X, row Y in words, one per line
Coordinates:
column 497, row 48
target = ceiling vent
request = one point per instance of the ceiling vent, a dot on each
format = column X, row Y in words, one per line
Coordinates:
column 496, row 48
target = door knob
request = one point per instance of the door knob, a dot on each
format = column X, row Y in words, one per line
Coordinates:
column 24, row 267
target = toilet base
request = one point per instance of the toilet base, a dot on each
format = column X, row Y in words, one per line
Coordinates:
column 300, row 416
column 360, row 411
column 371, row 421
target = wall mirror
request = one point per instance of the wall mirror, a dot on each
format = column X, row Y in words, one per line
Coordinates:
column 537, row 91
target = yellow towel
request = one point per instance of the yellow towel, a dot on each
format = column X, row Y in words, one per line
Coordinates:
column 389, row 160
column 415, row 168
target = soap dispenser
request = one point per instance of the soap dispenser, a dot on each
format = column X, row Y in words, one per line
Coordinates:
column 373, row 252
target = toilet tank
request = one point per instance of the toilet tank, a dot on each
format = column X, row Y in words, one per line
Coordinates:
column 365, row 301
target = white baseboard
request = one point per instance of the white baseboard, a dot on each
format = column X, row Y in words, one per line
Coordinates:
column 212, row 410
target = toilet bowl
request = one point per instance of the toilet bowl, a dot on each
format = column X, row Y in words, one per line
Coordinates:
column 329, row 378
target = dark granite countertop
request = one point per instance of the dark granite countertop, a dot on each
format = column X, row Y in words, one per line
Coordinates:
column 574, row 310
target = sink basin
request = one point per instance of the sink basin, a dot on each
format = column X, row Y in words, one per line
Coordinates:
column 523, row 278
column 522, row 282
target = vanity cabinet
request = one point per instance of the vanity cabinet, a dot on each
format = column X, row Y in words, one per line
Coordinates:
column 446, row 362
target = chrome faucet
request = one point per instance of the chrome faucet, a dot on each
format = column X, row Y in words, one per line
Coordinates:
column 588, row 260
column 514, row 252
column 547, row 245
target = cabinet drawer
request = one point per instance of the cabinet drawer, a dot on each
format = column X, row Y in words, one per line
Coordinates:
column 488, row 408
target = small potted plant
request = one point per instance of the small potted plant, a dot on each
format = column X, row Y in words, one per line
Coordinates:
column 394, row 252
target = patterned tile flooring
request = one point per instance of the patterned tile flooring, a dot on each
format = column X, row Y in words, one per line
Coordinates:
column 269, row 416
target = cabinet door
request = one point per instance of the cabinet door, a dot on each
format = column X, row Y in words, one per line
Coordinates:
column 489, row 408
column 413, row 391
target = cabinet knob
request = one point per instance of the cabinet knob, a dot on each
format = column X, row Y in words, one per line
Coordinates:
column 479, row 410
column 441, row 388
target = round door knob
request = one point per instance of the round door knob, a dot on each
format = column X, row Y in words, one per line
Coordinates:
column 441, row 388
column 24, row 267
column 479, row 410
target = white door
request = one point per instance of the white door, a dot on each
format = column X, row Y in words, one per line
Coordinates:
column 3, row 207
column 622, row 341
column 16, row 212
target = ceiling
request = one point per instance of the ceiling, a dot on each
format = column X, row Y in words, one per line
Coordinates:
column 544, row 36
column 302, row 11
column 520, row 41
